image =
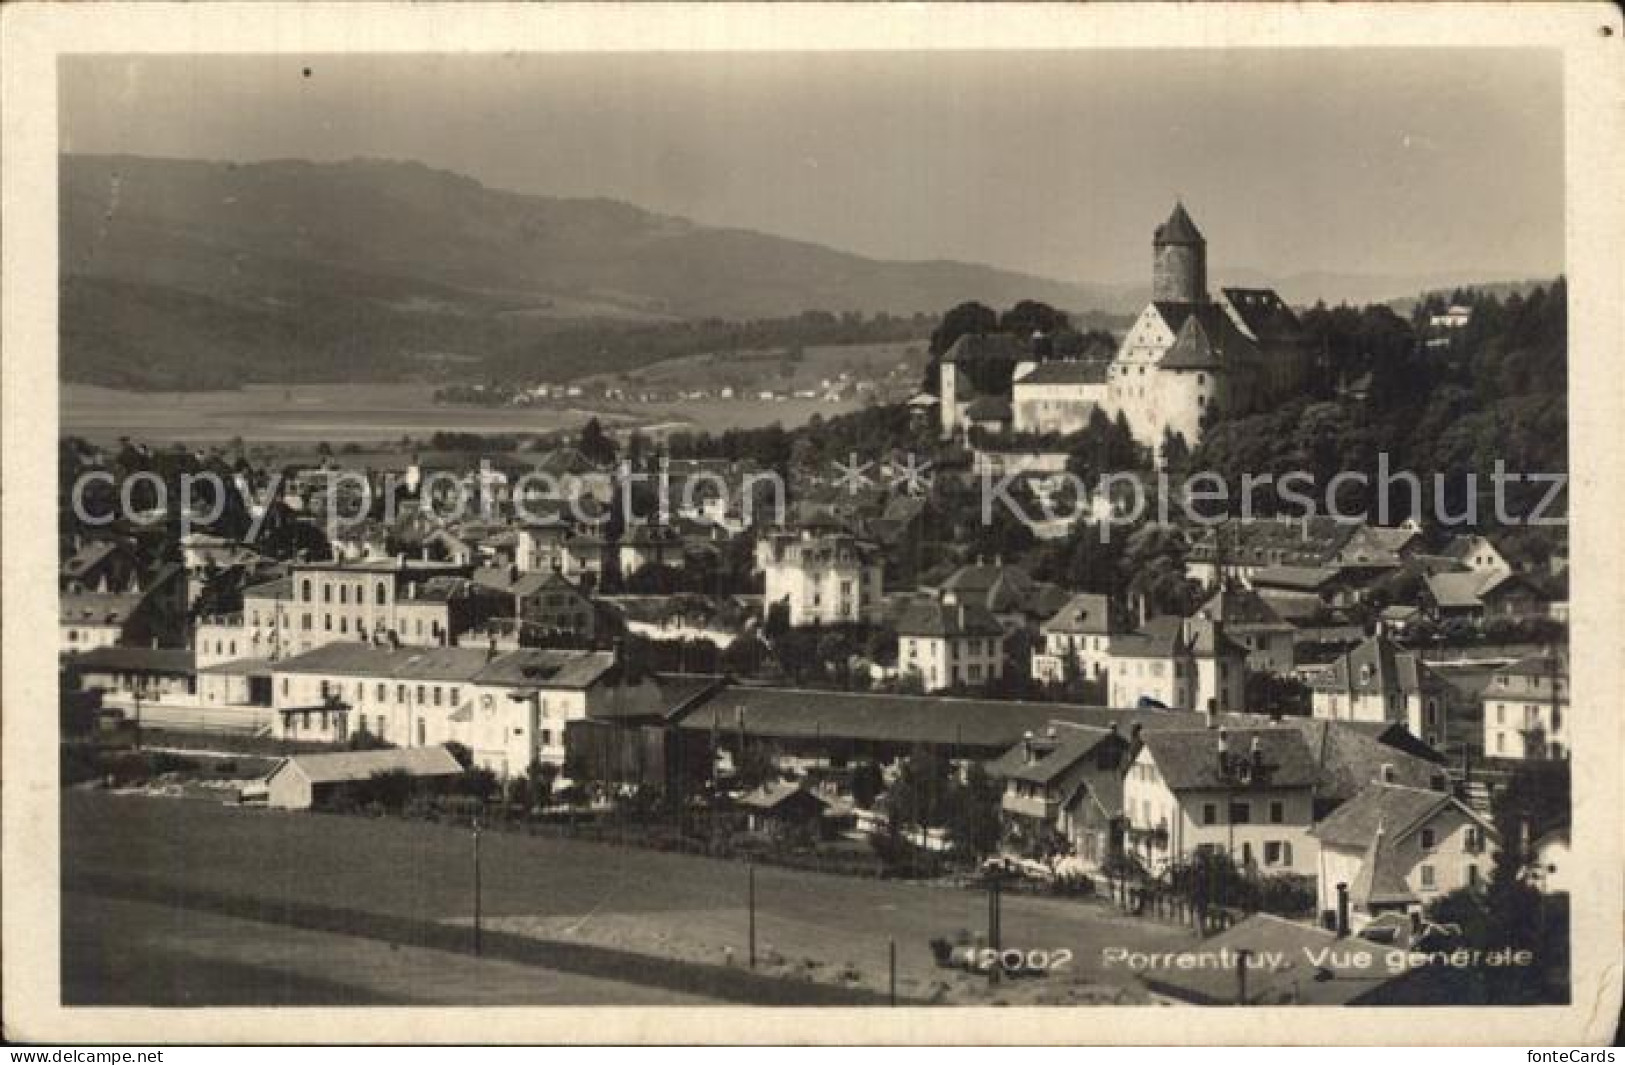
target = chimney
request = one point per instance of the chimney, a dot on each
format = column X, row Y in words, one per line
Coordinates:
column 1027, row 748
column 1387, row 772
column 1342, row 910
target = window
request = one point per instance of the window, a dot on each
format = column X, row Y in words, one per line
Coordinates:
column 1277, row 813
column 344, row 594
column 1272, row 852
column 327, row 593
column 378, row 594
column 422, row 695
column 1472, row 876
column 1430, row 839
column 1241, row 813
column 380, row 726
column 423, row 733
column 1210, row 813
column 381, row 691
column 437, row 695
column 304, row 591
column 1426, row 872
column 547, row 738
column 284, row 685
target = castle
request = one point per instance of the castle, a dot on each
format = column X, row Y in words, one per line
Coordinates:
column 1186, row 359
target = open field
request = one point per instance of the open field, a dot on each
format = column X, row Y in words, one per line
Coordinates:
column 291, row 414
column 140, row 953
column 639, row 917
column 903, row 360
column 301, row 416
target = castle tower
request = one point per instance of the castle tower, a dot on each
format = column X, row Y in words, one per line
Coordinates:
column 1179, row 260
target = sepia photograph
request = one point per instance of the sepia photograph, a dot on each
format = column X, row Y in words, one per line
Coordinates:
column 877, row 526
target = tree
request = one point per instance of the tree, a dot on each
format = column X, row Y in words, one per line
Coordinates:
column 919, row 795
column 867, row 784
column 964, row 320
column 595, row 444
column 973, row 813
column 1031, row 316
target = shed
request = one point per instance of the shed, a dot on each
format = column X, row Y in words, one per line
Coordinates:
column 302, row 781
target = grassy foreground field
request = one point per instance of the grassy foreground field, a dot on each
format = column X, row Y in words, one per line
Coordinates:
column 653, row 923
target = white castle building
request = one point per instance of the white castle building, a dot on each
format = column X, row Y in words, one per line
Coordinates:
column 1186, row 359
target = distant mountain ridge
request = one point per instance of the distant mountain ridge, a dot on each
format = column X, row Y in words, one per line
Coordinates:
column 194, row 274
column 404, row 229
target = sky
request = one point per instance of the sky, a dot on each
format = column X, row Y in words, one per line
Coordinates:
column 1059, row 163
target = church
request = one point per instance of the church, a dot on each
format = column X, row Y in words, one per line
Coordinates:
column 1187, row 359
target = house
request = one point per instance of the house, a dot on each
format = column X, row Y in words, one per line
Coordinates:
column 509, row 709
column 947, row 644
column 1008, row 592
column 785, row 807
column 1065, row 785
column 824, row 576
column 309, row 780
column 1550, row 869
column 145, row 607
column 1077, row 641
column 1379, row 545
column 1378, row 680
column 1179, row 663
column 976, row 366
column 397, row 600
column 1247, row 793
column 1526, row 709
column 544, row 603
column 1484, row 595
column 127, row 674
column 1455, row 316
column 1250, row 621
column 98, row 564
column 1058, row 396
column 1239, row 548
column 988, row 414
column 1477, row 553
column 1395, row 849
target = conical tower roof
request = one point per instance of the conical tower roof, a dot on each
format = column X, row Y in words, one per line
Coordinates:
column 1179, row 229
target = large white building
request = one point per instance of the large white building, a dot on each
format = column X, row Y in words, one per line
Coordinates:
column 824, row 576
column 1526, row 709
column 1396, row 849
column 947, row 643
column 1186, row 358
column 1381, row 681
column 509, row 709
column 1247, row 794
column 389, row 601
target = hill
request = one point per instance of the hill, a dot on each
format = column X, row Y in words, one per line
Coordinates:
column 177, row 269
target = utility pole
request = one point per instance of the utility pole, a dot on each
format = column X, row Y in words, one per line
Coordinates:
column 750, row 866
column 137, row 695
column 476, row 886
column 891, row 966
column 993, row 937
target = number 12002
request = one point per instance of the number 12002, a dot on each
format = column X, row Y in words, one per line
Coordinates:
column 1023, row 961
